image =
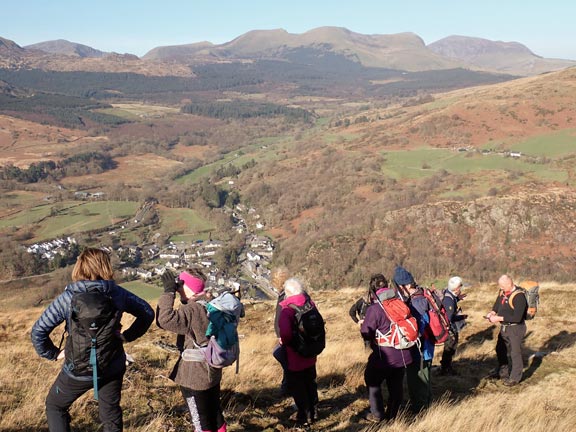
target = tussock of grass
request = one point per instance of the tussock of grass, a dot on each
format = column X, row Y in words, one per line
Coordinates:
column 252, row 402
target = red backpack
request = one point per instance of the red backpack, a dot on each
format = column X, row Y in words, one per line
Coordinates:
column 439, row 326
column 403, row 332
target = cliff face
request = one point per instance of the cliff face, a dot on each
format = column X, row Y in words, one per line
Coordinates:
column 526, row 235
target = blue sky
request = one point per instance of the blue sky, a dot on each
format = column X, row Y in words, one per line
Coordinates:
column 546, row 27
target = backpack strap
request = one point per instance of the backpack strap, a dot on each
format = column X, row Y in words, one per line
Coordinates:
column 514, row 293
column 93, row 363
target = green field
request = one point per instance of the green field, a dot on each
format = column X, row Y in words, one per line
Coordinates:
column 255, row 151
column 70, row 217
column 425, row 162
column 85, row 217
column 18, row 199
column 138, row 112
column 26, row 217
column 552, row 146
column 143, row 290
column 184, row 224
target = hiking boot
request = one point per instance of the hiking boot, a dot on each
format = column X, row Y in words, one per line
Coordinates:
column 372, row 418
column 312, row 415
column 509, row 383
column 302, row 423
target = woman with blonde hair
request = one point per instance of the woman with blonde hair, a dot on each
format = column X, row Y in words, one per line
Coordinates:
column 93, row 281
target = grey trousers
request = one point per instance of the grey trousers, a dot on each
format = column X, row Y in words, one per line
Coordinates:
column 512, row 335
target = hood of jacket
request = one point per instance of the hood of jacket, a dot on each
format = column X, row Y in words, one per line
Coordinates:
column 298, row 300
column 104, row 286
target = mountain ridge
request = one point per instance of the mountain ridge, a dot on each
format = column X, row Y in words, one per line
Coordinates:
column 405, row 51
column 401, row 51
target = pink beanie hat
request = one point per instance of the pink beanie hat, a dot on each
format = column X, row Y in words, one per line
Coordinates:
column 192, row 282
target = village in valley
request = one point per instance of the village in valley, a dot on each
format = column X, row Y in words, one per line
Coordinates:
column 147, row 262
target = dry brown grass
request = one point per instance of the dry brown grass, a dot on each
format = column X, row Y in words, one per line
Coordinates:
column 470, row 401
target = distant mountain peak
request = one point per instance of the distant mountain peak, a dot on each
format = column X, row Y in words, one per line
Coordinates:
column 466, row 47
column 64, row 47
column 507, row 57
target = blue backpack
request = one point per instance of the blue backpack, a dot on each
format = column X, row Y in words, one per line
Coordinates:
column 223, row 346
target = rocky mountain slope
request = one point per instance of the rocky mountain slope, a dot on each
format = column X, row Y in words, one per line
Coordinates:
column 347, row 217
column 506, row 57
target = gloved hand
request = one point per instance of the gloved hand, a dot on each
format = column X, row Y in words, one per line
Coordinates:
column 169, row 282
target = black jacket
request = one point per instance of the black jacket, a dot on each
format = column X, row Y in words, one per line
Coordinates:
column 358, row 309
column 513, row 312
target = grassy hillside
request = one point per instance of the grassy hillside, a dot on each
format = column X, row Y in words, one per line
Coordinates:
column 69, row 217
column 184, row 224
column 469, row 401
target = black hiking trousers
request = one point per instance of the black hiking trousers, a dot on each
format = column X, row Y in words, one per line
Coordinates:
column 66, row 390
column 449, row 350
column 394, row 377
column 303, row 388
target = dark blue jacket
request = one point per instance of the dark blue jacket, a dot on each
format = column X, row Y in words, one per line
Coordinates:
column 450, row 302
column 419, row 308
column 59, row 311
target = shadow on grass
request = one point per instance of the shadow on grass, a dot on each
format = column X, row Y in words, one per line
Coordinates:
column 470, row 372
column 268, row 407
column 478, row 338
column 560, row 341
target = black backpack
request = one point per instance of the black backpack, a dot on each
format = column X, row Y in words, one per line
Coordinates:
column 92, row 341
column 308, row 333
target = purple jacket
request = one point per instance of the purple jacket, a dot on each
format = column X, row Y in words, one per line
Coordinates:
column 285, row 323
column 382, row 357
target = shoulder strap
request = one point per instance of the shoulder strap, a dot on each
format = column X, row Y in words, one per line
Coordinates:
column 514, row 294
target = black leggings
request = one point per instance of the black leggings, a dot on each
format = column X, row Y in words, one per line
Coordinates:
column 204, row 406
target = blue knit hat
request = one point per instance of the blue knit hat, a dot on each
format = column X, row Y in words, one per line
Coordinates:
column 403, row 276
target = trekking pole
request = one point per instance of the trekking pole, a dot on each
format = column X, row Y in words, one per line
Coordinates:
column 401, row 293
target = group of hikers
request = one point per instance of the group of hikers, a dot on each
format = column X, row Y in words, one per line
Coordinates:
column 388, row 362
column 398, row 321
